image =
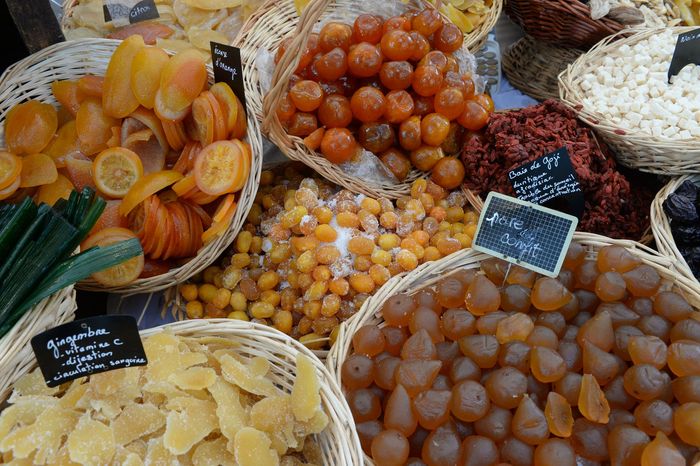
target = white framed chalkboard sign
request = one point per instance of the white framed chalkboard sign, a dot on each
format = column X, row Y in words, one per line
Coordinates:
column 526, row 234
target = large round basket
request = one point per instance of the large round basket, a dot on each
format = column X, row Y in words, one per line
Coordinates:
column 16, row 355
column 432, row 272
column 655, row 154
column 259, row 33
column 533, row 66
column 31, row 78
column 661, row 227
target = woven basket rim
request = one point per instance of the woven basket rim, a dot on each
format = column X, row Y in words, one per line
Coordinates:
column 22, row 76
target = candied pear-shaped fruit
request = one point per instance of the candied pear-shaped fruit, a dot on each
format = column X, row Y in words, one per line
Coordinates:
column 684, row 358
column 549, row 294
column 482, row 296
column 555, row 452
column 118, row 100
column 662, row 452
column 432, row 408
column 529, row 422
column 685, row 422
column 599, row 331
column 616, row 258
column 417, row 375
column 546, row 364
column 399, row 414
column 592, row 402
column 626, row 444
column 419, row 346
column 647, row 350
column 516, row 327
column 603, row 366
column 559, row 417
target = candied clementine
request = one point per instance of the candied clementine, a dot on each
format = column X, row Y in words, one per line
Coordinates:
column 434, row 129
column 435, row 58
column 376, row 137
column 368, row 104
column 484, row 100
column 474, row 116
column 448, row 38
column 335, row 111
column 410, row 133
column 306, row 95
column 302, row 124
column 334, row 35
column 397, row 163
column 332, row 65
column 367, row 28
column 427, row 80
column 285, row 108
column 397, row 45
column 448, row 173
column 338, row 145
column 396, row 75
column 427, row 21
column 425, row 157
column 364, row 60
column 450, row 102
column 30, row 126
column 396, row 22
column 399, row 106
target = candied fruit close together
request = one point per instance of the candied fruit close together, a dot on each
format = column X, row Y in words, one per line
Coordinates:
column 311, row 254
column 499, row 365
column 392, row 77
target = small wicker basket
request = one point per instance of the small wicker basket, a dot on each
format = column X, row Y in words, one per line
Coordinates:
column 635, row 149
column 16, row 355
column 661, row 226
column 534, row 66
column 31, row 78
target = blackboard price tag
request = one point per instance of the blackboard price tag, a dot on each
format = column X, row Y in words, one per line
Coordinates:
column 687, row 51
column 526, row 234
column 226, row 61
column 123, row 12
column 88, row 346
column 550, row 181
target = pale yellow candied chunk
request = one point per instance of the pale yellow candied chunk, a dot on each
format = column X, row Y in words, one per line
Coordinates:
column 306, row 399
column 316, row 424
column 62, row 458
column 212, row 452
column 231, row 415
column 259, row 366
column 33, row 384
column 165, row 388
column 194, row 378
column 136, row 421
column 163, row 353
column 239, row 374
column 124, row 382
column 43, row 436
column 192, row 359
column 158, row 455
column 73, row 395
column 274, row 416
column 91, row 442
column 24, row 412
column 252, row 448
column 190, row 421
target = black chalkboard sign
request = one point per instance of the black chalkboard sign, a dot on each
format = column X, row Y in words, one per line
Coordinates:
column 530, row 235
column 550, row 181
column 88, row 346
column 120, row 13
column 226, row 61
column 687, row 51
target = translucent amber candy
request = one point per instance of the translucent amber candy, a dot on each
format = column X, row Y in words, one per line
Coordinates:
column 310, row 254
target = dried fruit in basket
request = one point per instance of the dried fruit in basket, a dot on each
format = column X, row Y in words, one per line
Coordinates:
column 182, row 80
column 29, row 127
column 146, row 69
column 118, row 100
column 37, row 170
column 116, row 170
column 121, row 274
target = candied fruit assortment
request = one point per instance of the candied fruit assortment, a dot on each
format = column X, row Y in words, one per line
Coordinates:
column 311, row 254
column 498, row 365
column 389, row 77
column 182, row 408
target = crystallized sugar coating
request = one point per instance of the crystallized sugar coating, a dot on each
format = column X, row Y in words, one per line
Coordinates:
column 629, row 88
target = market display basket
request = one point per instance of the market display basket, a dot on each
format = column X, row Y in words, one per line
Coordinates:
column 31, row 78
column 16, row 355
column 257, row 34
column 661, row 227
column 654, row 154
column 533, row 66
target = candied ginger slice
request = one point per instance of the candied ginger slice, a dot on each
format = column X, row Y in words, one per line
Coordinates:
column 274, row 416
column 62, row 458
column 109, row 408
column 252, row 448
column 163, row 353
column 191, row 422
column 158, row 455
column 124, row 382
column 192, row 359
column 135, row 421
column 212, row 452
column 163, row 388
column 232, row 416
column 194, row 378
column 138, row 447
column 316, row 424
column 306, row 400
column 259, row 366
column 45, row 435
column 33, row 384
column 23, row 412
column 211, row 340
column 73, row 395
column 91, row 442
column 239, row 374
column 132, row 459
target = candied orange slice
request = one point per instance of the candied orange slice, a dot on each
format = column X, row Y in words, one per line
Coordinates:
column 59, row 189
column 245, row 168
column 91, row 86
column 94, row 126
column 37, row 169
column 175, row 134
column 218, row 167
column 200, row 198
column 145, row 74
column 148, row 30
column 30, row 126
column 117, row 98
column 218, row 228
column 185, row 185
column 146, row 186
column 10, row 190
column 239, row 130
column 10, row 168
column 65, row 142
column 79, row 170
column 203, row 119
column 228, row 102
column 121, row 274
column 182, row 80
column 220, row 130
column 116, row 170
column 67, row 94
column 223, row 208
column 151, row 121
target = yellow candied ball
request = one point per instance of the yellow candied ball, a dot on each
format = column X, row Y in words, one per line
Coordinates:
column 379, row 274
column 238, row 301
column 455, row 214
column 321, row 273
column 289, row 203
column 268, row 280
column 271, row 296
column 464, row 239
column 306, row 262
column 381, row 257
column 210, row 273
column 470, row 217
column 255, row 214
column 339, row 286
column 207, row 292
column 194, row 309
column 239, row 315
column 222, row 298
column 188, row 291
column 330, row 305
column 243, row 241
column 418, row 187
column 240, row 260
column 471, row 229
column 348, row 220
column 266, row 177
column 282, row 321
column 326, row 233
column 389, row 241
column 256, row 245
column 262, row 310
column 407, row 260
column 362, row 282
column 371, row 205
column 388, row 220
column 313, row 341
column 268, row 201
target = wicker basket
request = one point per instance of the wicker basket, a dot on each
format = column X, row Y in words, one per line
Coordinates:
column 432, row 272
column 639, row 150
column 282, row 15
column 16, row 355
column 534, row 66
column 31, row 79
column 661, row 227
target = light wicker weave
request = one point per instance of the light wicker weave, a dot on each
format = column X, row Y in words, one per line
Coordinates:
column 276, row 20
column 16, row 355
column 430, row 273
column 661, row 227
column 31, row 78
column 635, row 149
column 533, row 66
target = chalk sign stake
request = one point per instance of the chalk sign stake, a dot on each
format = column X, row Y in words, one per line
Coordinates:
column 228, row 68
column 687, row 51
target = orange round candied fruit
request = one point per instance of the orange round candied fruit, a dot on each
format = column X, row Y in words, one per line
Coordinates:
column 485, row 101
column 448, row 38
column 338, row 145
column 410, row 133
column 364, row 60
column 367, row 28
column 397, row 163
column 332, row 65
column 396, row 75
column 396, row 22
column 434, row 129
column 474, row 116
column 285, row 109
column 397, row 45
column 335, row 112
column 435, row 58
column 422, row 105
column 302, row 124
column 421, row 46
column 334, row 35
column 427, row 21
column 448, row 172
column 399, row 106
column 368, row 104
column 427, row 80
column 306, row 95
column 450, row 102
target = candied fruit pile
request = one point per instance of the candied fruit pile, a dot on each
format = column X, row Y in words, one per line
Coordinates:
column 198, row 401
column 310, row 254
column 598, row 366
column 392, row 87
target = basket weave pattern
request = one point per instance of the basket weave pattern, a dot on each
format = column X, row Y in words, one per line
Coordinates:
column 31, row 78
column 635, row 149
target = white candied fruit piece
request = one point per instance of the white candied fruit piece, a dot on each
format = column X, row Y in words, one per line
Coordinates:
column 252, row 448
column 91, row 442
